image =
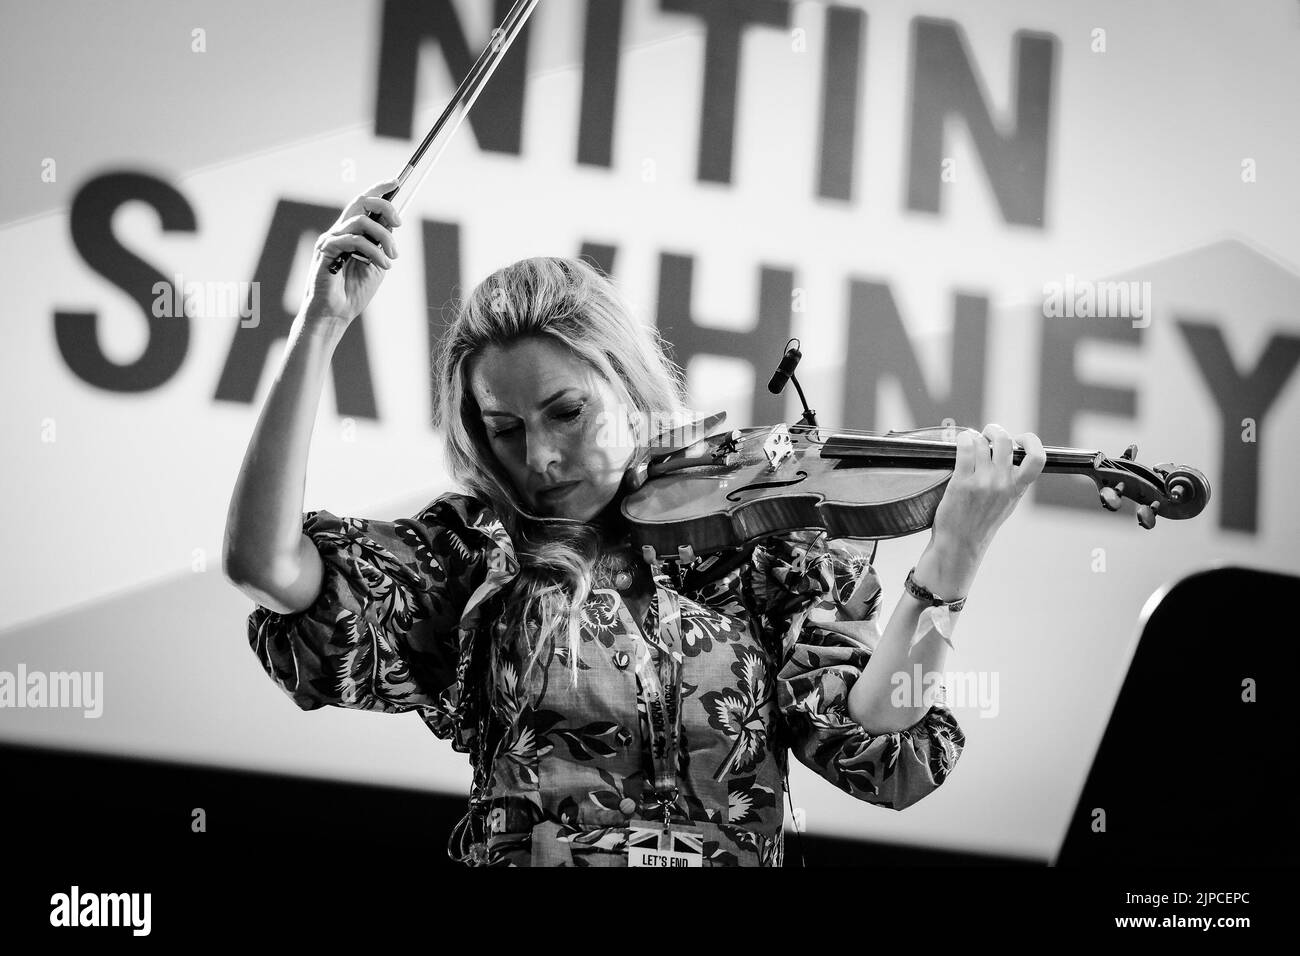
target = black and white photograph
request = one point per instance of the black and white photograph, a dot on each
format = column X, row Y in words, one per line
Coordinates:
column 840, row 435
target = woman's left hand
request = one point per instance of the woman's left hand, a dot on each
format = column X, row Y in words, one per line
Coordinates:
column 985, row 488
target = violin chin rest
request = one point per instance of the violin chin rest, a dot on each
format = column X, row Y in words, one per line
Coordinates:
column 636, row 476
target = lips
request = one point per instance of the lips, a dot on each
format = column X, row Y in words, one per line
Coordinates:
column 558, row 492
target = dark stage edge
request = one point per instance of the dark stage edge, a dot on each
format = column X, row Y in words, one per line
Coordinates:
column 308, row 861
column 73, row 799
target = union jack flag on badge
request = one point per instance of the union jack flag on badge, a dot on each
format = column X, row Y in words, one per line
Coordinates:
column 651, row 835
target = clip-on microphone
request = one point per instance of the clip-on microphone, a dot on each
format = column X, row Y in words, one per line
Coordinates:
column 785, row 373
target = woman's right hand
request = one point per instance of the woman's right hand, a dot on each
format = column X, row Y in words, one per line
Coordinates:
column 340, row 297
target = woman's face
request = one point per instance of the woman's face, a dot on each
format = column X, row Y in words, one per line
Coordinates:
column 552, row 419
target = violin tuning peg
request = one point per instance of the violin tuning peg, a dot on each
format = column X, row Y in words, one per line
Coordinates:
column 1146, row 516
column 1109, row 498
column 1130, row 453
column 1164, row 467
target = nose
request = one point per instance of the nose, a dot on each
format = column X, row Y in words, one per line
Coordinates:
column 541, row 453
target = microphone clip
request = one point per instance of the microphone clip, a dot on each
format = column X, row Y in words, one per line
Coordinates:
column 785, row 373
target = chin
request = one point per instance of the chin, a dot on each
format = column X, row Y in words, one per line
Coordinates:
column 573, row 510
column 583, row 510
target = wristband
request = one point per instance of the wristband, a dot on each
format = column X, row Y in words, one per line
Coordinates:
column 925, row 596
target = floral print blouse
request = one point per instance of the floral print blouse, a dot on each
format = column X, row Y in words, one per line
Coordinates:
column 772, row 636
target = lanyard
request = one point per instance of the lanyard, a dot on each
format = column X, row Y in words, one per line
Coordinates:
column 661, row 692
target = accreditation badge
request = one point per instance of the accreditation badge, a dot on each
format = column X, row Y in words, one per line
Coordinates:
column 650, row 843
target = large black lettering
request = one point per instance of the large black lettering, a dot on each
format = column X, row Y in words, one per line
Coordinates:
column 600, row 255
column 944, row 83
column 1062, row 397
column 601, row 52
column 761, row 347
column 880, row 348
column 251, row 346
column 1241, row 396
column 724, row 22
column 841, row 78
column 442, row 290
column 76, row 333
column 497, row 116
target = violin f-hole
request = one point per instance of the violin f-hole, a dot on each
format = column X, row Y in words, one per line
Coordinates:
column 797, row 478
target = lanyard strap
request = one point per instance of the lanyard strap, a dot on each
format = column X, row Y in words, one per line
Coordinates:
column 661, row 691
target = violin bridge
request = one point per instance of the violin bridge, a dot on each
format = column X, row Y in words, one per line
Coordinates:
column 778, row 446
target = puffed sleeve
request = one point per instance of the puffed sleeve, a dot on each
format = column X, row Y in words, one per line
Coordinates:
column 392, row 627
column 820, row 602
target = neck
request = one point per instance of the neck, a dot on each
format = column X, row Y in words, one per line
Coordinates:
column 609, row 524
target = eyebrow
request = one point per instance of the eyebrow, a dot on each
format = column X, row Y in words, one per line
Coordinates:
column 493, row 413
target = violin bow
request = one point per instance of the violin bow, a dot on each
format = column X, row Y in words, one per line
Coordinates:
column 455, row 112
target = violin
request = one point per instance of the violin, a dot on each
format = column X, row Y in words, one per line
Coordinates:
column 728, row 489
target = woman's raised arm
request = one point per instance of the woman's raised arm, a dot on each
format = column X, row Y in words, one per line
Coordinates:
column 266, row 553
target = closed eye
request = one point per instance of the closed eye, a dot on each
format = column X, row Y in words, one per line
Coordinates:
column 568, row 416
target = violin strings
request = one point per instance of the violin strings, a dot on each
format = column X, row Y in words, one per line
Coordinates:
column 762, row 434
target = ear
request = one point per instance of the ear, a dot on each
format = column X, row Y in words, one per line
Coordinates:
column 637, row 423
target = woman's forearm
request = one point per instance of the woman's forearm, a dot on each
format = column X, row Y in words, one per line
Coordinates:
column 947, row 571
column 263, row 540
column 983, row 491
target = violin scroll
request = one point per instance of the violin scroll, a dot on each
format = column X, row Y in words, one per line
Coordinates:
column 1167, row 490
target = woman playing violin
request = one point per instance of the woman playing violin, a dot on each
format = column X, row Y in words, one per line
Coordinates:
column 615, row 713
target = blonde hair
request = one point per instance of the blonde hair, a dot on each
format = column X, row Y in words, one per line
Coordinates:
column 569, row 303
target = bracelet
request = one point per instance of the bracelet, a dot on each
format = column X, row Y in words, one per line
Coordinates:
column 925, row 596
